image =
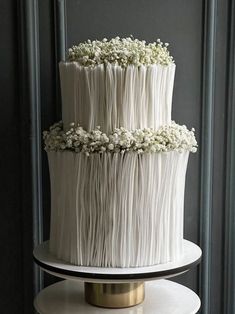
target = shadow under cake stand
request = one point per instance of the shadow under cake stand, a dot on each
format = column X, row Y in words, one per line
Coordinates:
column 136, row 290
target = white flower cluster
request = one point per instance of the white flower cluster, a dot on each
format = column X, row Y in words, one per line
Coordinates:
column 120, row 51
column 167, row 138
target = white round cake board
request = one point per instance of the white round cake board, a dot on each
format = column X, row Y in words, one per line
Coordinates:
column 42, row 256
column 162, row 297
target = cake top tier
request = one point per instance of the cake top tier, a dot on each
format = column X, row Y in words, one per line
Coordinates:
column 120, row 51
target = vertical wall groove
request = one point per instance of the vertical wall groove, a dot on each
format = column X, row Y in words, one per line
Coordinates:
column 208, row 81
column 60, row 25
column 30, row 98
column 35, row 104
column 229, row 244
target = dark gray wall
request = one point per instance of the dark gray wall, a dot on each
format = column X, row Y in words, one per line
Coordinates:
column 34, row 36
column 10, row 165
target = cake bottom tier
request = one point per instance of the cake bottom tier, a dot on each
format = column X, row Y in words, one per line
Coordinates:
column 117, row 210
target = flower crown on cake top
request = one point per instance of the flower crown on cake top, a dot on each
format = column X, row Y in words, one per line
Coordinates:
column 120, row 51
column 171, row 137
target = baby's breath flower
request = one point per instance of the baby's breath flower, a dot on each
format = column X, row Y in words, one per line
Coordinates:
column 120, row 51
column 166, row 138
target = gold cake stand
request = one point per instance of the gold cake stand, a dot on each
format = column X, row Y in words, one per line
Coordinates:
column 115, row 288
column 114, row 295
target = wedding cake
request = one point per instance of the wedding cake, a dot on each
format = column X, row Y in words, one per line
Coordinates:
column 117, row 162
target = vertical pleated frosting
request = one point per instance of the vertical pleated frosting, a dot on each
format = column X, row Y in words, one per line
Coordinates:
column 110, row 96
column 117, row 210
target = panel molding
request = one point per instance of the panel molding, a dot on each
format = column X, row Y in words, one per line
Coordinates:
column 206, row 176
column 31, row 129
column 229, row 229
column 60, row 29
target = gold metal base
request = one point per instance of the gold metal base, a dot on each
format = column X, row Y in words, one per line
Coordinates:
column 114, row 295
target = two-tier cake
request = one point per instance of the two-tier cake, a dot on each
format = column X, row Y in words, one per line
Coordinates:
column 117, row 162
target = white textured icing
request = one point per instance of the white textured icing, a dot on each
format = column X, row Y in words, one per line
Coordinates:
column 111, row 96
column 115, row 210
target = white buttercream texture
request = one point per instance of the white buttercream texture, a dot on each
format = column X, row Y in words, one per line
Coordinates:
column 111, row 96
column 115, row 210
